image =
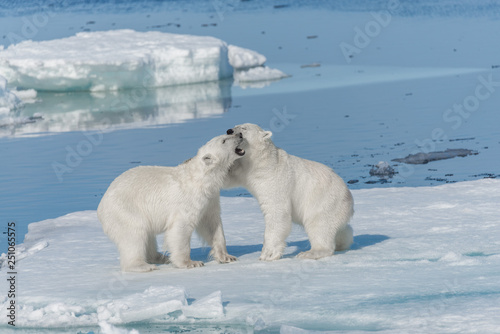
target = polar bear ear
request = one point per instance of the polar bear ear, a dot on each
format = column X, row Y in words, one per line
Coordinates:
column 267, row 134
column 208, row 159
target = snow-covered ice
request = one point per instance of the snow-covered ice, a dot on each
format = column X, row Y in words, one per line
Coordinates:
column 12, row 101
column 242, row 59
column 424, row 260
column 8, row 100
column 121, row 59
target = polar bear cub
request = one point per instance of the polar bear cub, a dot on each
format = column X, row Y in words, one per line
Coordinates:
column 148, row 200
column 289, row 188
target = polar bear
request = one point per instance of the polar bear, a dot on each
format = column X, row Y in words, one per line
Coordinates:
column 148, row 200
column 289, row 188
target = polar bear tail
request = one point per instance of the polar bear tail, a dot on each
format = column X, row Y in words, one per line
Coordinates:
column 344, row 238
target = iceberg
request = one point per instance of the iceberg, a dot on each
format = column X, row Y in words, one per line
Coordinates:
column 8, row 100
column 122, row 59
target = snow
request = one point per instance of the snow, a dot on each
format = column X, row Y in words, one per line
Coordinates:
column 110, row 329
column 424, row 259
column 241, row 58
column 121, row 59
column 262, row 73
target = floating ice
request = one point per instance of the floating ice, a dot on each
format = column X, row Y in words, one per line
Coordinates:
column 207, row 307
column 120, row 59
column 424, row 158
column 262, row 73
column 8, row 100
column 110, row 329
column 423, row 259
column 241, row 58
column 382, row 169
column 21, row 251
column 152, row 303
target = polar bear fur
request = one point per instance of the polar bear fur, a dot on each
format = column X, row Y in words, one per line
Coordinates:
column 148, row 200
column 289, row 188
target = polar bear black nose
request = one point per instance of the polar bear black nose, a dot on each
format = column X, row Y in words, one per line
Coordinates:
column 230, row 131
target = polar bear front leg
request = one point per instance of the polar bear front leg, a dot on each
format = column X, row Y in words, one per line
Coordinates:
column 278, row 227
column 179, row 245
column 210, row 229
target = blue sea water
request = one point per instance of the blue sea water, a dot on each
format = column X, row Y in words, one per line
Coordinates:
column 389, row 101
column 316, row 113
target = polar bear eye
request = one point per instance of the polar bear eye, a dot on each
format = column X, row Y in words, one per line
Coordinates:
column 224, row 141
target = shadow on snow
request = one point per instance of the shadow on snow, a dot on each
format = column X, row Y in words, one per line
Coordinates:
column 360, row 242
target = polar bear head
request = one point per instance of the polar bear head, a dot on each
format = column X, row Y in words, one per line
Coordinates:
column 253, row 134
column 222, row 151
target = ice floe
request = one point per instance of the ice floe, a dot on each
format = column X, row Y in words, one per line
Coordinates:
column 121, row 59
column 414, row 266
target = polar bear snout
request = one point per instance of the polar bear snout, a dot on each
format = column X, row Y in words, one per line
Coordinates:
column 239, row 150
column 231, row 132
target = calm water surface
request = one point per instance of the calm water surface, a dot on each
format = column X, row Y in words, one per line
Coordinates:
column 66, row 148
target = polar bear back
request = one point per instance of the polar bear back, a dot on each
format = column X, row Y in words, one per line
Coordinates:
column 146, row 195
column 315, row 187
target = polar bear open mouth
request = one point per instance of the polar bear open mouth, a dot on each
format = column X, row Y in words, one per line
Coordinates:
column 239, row 151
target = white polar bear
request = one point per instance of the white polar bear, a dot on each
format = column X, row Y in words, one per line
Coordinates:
column 289, row 188
column 148, row 200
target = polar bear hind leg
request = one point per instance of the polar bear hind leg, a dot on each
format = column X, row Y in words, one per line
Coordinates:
column 322, row 236
column 344, row 239
column 325, row 239
column 133, row 253
column 153, row 256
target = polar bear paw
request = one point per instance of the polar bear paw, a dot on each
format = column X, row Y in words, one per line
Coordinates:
column 193, row 264
column 141, row 268
column 226, row 258
column 315, row 254
column 270, row 255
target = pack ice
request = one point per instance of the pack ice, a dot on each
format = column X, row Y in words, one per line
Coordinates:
column 121, row 59
column 8, row 100
column 424, row 260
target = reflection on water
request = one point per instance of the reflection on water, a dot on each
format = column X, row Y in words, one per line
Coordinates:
column 136, row 108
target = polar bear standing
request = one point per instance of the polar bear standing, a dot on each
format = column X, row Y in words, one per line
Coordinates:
column 288, row 189
column 148, row 200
